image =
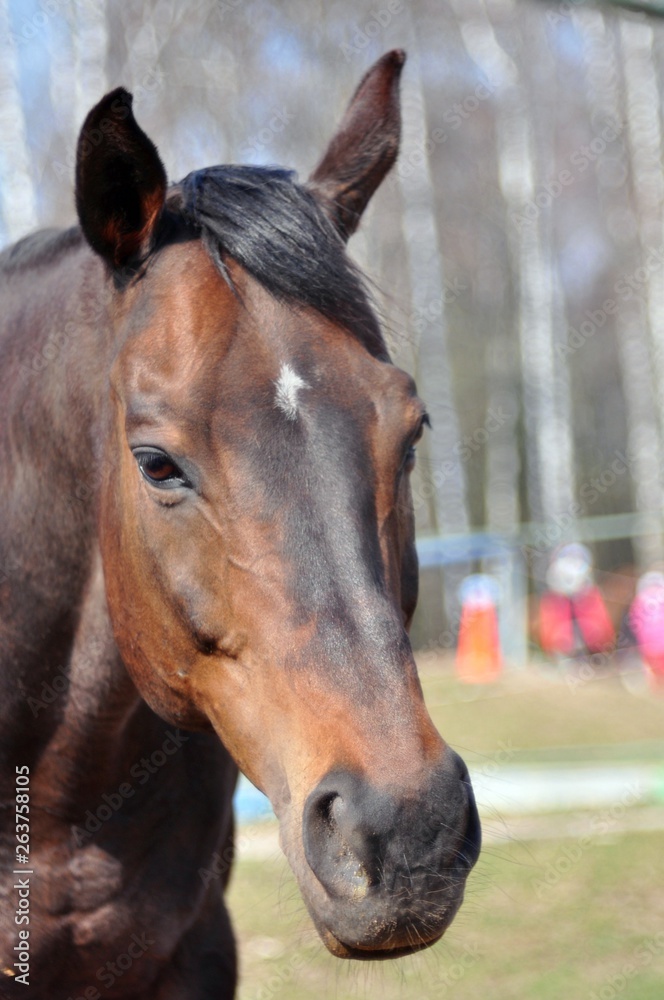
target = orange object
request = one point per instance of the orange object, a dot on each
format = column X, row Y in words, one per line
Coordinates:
column 478, row 656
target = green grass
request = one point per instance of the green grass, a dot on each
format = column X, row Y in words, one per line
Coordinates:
column 528, row 711
column 544, row 919
column 517, row 937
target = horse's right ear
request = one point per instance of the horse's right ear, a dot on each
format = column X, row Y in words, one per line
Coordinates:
column 364, row 147
column 120, row 181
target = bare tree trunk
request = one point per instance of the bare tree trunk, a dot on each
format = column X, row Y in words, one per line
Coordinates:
column 636, row 356
column 547, row 424
column 502, row 511
column 427, row 290
column 90, row 43
column 447, row 482
column 17, row 191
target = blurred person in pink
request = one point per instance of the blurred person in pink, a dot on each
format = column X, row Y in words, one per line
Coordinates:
column 646, row 619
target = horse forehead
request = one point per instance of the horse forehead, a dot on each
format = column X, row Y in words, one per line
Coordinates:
column 181, row 312
column 192, row 331
column 186, row 310
column 324, row 371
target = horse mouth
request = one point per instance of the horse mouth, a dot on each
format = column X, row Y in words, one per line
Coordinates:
column 373, row 953
column 380, row 876
column 378, row 943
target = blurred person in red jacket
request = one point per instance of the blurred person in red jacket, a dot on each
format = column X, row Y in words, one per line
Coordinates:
column 573, row 619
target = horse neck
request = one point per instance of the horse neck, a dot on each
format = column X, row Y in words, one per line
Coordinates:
column 93, row 722
column 56, row 645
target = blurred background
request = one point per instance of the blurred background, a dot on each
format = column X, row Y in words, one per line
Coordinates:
column 516, row 256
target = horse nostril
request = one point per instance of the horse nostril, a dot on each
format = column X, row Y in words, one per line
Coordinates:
column 472, row 840
column 326, row 812
column 332, row 846
column 360, row 840
column 337, row 811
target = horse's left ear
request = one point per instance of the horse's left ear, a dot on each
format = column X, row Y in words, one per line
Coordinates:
column 364, row 148
column 120, row 181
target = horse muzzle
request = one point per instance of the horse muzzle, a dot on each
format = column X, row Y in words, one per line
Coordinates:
column 387, row 870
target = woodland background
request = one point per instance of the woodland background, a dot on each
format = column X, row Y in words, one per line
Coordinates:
column 516, row 253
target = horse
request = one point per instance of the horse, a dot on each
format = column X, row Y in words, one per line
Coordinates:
column 208, row 563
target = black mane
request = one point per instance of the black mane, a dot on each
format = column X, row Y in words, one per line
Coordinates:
column 275, row 229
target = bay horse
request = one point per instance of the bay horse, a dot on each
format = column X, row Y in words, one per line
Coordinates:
column 208, row 563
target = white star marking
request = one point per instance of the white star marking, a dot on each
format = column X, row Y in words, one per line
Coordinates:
column 288, row 386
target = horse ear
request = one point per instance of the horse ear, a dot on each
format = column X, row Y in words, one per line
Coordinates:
column 120, row 181
column 364, row 147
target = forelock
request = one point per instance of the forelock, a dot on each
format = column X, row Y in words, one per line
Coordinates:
column 275, row 229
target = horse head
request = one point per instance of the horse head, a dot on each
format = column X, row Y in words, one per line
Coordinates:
column 256, row 521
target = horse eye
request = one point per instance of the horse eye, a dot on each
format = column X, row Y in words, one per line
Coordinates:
column 159, row 469
column 409, row 461
column 424, row 422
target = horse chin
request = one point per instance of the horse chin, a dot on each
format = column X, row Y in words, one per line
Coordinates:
column 368, row 954
column 368, row 937
column 380, row 942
